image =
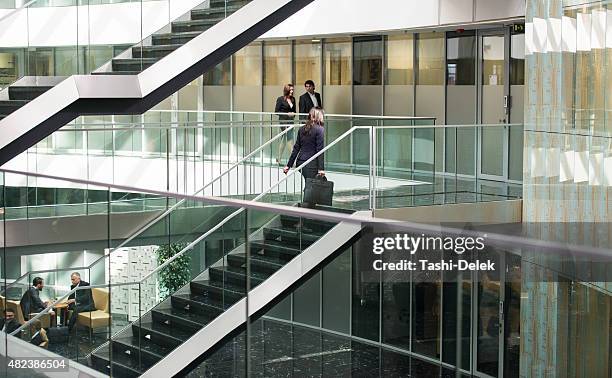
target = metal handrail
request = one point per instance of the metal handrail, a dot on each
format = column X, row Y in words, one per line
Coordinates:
column 168, row 211
column 358, row 116
column 86, row 129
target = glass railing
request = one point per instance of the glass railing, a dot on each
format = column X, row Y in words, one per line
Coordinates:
column 368, row 185
column 189, row 276
column 256, row 176
column 175, row 151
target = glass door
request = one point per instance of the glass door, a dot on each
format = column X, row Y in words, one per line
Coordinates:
column 496, row 324
column 494, row 104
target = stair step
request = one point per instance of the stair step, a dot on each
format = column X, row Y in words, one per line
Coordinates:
column 150, row 351
column 129, row 351
column 9, row 106
column 259, row 262
column 235, row 276
column 228, row 293
column 199, row 303
column 180, row 318
column 122, row 366
column 26, row 92
column 160, row 333
column 194, row 25
column 216, row 12
column 275, row 248
column 153, row 51
column 290, row 235
column 174, row 38
column 133, row 64
column 308, row 225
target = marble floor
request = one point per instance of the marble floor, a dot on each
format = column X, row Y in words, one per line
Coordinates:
column 282, row 350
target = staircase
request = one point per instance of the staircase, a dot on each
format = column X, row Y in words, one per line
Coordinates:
column 138, row 79
column 142, row 56
column 177, row 318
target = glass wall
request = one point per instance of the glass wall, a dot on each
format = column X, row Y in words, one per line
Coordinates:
column 428, row 313
column 53, row 61
column 430, row 97
column 217, row 87
column 461, row 104
column 247, row 78
column 367, row 75
column 399, row 75
column 307, row 65
column 337, row 93
column 277, row 62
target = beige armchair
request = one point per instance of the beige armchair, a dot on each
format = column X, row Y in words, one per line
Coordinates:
column 100, row 317
column 45, row 320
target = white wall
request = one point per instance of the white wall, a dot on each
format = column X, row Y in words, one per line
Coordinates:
column 324, row 17
column 121, row 23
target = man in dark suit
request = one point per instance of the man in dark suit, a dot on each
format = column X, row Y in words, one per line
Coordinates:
column 310, row 99
column 9, row 324
column 80, row 300
column 30, row 301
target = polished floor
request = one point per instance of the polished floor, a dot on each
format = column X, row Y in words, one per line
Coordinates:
column 280, row 349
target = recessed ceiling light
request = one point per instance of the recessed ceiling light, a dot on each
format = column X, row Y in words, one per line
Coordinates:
column 316, row 40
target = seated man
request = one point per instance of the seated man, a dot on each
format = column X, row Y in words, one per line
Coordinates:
column 9, row 324
column 30, row 301
column 80, row 300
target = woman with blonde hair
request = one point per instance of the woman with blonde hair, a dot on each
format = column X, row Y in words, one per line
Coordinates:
column 285, row 106
column 310, row 140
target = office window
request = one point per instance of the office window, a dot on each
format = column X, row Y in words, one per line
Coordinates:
column 337, row 56
column 67, row 61
column 307, row 63
column 40, row 62
column 367, row 61
column 277, row 72
column 219, row 75
column 399, row 75
column 247, row 65
column 277, row 64
column 517, row 59
column 247, row 78
column 461, row 58
column 400, row 59
column 430, row 62
column 11, row 65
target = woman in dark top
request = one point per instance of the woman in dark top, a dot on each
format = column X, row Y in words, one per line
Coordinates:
column 310, row 140
column 285, row 104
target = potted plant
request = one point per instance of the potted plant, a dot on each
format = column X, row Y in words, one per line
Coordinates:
column 176, row 274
